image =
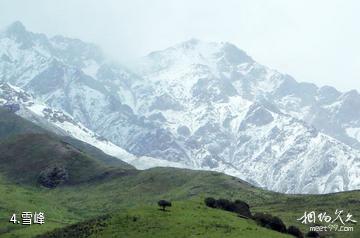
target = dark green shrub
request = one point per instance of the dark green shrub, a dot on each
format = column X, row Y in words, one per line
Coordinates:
column 269, row 221
column 293, row 230
column 53, row 176
column 239, row 207
column 210, row 202
column 313, row 234
column 225, row 205
column 242, row 208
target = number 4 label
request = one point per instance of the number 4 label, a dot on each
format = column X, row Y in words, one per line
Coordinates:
column 13, row 219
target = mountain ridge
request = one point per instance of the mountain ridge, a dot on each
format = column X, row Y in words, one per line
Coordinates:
column 187, row 105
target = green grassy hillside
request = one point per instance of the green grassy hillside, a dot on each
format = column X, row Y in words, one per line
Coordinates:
column 11, row 126
column 94, row 188
column 97, row 153
column 25, row 157
column 71, row 204
column 183, row 219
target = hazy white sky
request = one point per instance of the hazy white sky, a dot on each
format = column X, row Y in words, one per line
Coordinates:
column 313, row 40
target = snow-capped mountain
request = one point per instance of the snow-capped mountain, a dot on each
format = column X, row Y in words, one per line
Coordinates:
column 196, row 104
column 18, row 101
column 327, row 109
column 237, row 116
column 22, row 103
column 73, row 76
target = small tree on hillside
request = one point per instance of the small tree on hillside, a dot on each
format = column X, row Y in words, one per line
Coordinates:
column 163, row 204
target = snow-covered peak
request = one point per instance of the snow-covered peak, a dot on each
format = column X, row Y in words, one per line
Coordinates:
column 196, row 53
column 350, row 95
column 16, row 28
column 74, row 51
column 21, row 38
column 16, row 40
column 211, row 50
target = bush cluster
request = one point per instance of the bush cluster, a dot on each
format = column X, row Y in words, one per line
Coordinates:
column 238, row 206
column 293, row 230
column 53, row 176
column 243, row 209
column 312, row 234
column 276, row 224
column 269, row 221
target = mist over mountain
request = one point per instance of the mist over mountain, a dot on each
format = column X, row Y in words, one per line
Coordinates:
column 201, row 105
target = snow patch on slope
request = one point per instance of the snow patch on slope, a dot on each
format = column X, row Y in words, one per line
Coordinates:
column 353, row 132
